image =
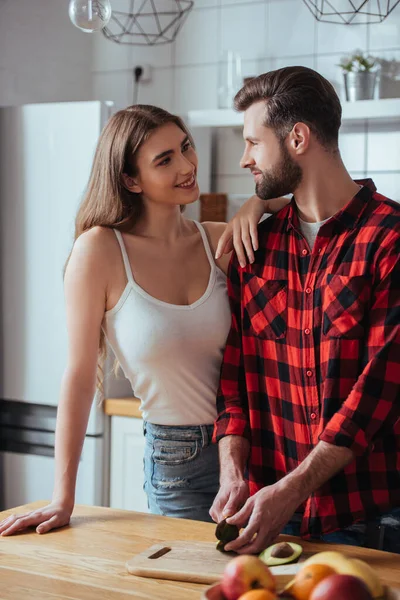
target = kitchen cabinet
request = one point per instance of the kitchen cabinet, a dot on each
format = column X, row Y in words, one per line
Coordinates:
column 126, row 464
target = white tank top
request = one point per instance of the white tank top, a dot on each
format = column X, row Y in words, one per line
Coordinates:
column 171, row 353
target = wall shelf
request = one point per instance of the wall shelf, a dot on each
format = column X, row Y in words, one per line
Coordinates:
column 387, row 109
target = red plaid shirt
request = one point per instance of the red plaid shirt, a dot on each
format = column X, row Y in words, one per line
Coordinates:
column 314, row 354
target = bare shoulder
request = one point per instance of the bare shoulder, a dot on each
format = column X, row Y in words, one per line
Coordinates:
column 214, row 230
column 98, row 243
column 93, row 252
column 97, row 239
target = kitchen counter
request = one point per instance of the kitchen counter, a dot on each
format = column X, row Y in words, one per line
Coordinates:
column 122, row 407
column 86, row 561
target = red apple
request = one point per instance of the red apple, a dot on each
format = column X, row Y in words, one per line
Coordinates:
column 245, row 573
column 345, row 587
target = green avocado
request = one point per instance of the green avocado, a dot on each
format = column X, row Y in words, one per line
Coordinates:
column 220, row 546
column 281, row 554
column 225, row 533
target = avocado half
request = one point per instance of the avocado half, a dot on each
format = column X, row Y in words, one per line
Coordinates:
column 281, row 554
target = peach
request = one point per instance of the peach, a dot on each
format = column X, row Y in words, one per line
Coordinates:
column 245, row 573
column 306, row 580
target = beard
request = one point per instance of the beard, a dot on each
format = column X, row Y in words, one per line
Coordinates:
column 282, row 179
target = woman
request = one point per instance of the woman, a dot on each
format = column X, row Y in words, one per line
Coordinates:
column 143, row 277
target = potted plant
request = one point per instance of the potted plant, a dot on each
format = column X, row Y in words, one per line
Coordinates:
column 360, row 73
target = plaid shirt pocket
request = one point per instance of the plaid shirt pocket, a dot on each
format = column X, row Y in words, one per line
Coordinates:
column 345, row 302
column 265, row 307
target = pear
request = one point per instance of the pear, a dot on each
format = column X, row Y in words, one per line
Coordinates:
column 336, row 560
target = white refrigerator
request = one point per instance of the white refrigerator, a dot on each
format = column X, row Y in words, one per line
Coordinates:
column 46, row 152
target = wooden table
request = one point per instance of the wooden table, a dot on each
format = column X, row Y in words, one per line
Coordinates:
column 86, row 561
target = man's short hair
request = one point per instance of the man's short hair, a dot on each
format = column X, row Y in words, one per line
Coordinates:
column 292, row 95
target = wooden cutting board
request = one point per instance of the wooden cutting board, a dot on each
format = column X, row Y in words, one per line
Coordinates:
column 195, row 562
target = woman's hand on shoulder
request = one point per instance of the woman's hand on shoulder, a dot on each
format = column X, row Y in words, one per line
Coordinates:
column 240, row 233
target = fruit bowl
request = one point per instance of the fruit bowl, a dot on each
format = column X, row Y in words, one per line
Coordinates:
column 213, row 592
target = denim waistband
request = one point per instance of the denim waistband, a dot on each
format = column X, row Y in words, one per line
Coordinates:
column 201, row 433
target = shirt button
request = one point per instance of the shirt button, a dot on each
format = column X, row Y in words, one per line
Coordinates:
column 307, row 331
column 304, row 252
column 308, row 291
column 309, row 373
column 313, row 416
column 319, row 250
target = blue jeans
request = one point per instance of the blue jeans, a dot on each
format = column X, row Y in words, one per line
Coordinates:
column 181, row 470
column 383, row 533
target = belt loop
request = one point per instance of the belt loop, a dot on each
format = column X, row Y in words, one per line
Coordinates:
column 375, row 533
column 381, row 543
column 204, row 436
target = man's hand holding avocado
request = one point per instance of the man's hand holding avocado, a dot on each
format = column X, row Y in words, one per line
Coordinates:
column 262, row 518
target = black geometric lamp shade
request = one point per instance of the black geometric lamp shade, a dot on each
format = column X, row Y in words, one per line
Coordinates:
column 351, row 12
column 147, row 22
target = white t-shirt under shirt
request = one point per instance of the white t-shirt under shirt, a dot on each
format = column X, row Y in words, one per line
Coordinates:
column 310, row 230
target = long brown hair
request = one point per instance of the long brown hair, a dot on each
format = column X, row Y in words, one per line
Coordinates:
column 107, row 202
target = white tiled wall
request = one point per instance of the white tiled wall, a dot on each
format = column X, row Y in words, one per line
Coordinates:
column 113, row 77
column 43, row 57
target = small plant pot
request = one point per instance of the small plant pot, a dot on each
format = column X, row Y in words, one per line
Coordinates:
column 360, row 86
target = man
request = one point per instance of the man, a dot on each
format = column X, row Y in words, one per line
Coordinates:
column 309, row 402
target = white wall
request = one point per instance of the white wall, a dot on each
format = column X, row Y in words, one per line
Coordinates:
column 43, row 57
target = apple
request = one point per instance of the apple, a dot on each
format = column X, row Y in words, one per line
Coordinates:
column 345, row 587
column 245, row 573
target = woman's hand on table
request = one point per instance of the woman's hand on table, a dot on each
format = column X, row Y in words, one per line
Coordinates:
column 52, row 516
